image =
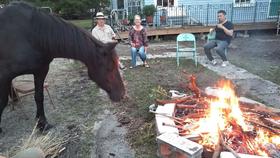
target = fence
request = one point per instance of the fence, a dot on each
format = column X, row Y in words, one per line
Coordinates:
column 206, row 14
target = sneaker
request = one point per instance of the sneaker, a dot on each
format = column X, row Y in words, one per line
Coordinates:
column 225, row 63
column 122, row 67
column 146, row 65
column 214, row 62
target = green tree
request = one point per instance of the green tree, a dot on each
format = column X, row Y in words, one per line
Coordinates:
column 69, row 8
column 4, row 1
column 77, row 7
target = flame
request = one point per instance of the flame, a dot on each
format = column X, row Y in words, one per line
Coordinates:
column 223, row 111
column 264, row 138
column 275, row 140
column 224, row 114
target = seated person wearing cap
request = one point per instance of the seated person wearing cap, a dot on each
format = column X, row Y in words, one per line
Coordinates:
column 104, row 32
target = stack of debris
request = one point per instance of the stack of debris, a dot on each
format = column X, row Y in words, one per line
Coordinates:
column 215, row 123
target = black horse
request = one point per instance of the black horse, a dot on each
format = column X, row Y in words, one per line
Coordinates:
column 30, row 39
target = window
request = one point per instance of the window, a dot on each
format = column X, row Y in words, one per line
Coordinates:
column 244, row 3
column 165, row 3
column 120, row 4
column 134, row 6
column 134, row 3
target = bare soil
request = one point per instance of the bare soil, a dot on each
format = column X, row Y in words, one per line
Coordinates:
column 77, row 105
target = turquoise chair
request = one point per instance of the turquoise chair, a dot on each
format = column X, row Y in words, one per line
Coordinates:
column 212, row 36
column 186, row 37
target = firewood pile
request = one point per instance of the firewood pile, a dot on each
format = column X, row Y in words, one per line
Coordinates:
column 220, row 122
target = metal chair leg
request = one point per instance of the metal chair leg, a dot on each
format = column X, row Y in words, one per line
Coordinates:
column 177, row 56
column 195, row 59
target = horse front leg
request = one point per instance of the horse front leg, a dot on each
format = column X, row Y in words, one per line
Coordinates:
column 39, row 79
column 4, row 97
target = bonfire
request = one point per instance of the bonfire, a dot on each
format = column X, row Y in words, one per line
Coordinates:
column 221, row 122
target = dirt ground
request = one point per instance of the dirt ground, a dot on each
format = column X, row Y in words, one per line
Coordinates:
column 79, row 104
column 259, row 54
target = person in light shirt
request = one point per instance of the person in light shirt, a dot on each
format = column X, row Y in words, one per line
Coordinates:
column 104, row 32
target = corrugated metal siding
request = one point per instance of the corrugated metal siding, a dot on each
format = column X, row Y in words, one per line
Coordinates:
column 195, row 2
column 198, row 2
column 254, row 13
column 205, row 12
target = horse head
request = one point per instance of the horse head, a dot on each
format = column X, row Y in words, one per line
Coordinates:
column 105, row 72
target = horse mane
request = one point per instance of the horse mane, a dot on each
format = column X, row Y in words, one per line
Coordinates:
column 59, row 38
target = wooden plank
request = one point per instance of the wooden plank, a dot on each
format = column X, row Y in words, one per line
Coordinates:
column 202, row 29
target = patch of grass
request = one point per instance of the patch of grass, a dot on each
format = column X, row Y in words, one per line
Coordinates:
column 145, row 136
column 86, row 24
column 50, row 144
column 265, row 68
column 271, row 74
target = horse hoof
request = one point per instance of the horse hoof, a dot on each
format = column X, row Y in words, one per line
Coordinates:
column 48, row 127
column 44, row 127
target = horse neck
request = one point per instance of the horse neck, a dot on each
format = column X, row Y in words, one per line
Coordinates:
column 57, row 38
column 74, row 44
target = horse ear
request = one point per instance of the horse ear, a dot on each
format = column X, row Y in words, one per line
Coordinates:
column 111, row 46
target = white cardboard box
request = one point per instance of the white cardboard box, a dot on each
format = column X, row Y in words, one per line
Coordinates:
column 167, row 109
column 180, row 144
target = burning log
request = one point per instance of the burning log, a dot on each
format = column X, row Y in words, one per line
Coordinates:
column 176, row 101
column 180, row 121
column 259, row 109
column 272, row 150
column 196, row 115
column 193, row 86
column 248, row 128
column 218, row 148
column 194, row 105
column 193, row 137
column 230, row 149
column 223, row 143
column 176, row 126
column 186, row 106
column 171, row 117
column 263, row 126
column 272, row 122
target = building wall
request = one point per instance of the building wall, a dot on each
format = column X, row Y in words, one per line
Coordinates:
column 114, row 4
column 149, row 2
column 205, row 13
column 194, row 2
